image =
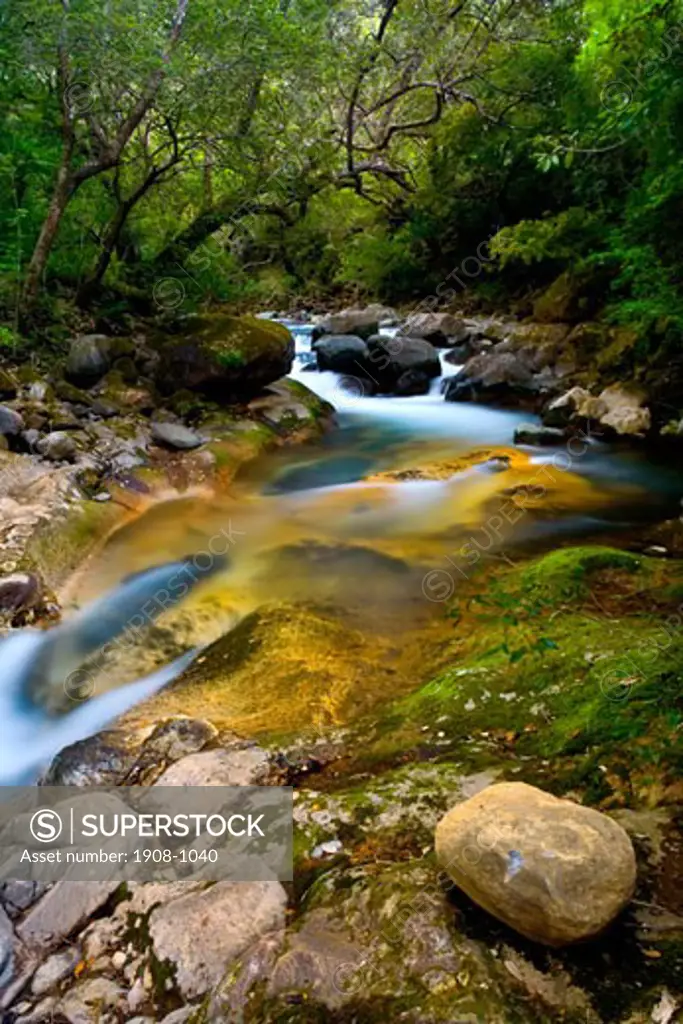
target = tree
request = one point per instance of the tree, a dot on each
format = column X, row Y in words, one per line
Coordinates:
column 91, row 143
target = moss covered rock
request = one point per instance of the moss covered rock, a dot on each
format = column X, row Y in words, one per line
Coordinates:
column 226, row 358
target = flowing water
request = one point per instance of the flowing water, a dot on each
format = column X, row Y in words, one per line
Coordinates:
column 373, row 518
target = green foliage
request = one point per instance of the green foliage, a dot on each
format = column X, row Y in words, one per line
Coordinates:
column 563, row 238
column 555, row 136
column 383, row 264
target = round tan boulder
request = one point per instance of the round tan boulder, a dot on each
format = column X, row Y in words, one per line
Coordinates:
column 553, row 870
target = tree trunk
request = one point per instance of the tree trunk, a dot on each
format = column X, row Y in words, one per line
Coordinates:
column 201, row 228
column 63, row 190
column 111, row 237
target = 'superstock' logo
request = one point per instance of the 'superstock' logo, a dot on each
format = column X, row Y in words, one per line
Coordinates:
column 46, row 826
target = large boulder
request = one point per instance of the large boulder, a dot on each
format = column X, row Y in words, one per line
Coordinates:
column 626, row 414
column 226, row 358
column 494, row 377
column 362, row 322
column 343, row 353
column 88, row 360
column 412, row 382
column 551, row 869
column 201, row 934
column 441, row 329
column 391, row 358
column 618, row 410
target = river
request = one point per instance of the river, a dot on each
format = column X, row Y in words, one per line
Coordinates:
column 375, row 518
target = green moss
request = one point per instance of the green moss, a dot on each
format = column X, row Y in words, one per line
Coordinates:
column 588, row 692
column 236, row 341
column 565, row 574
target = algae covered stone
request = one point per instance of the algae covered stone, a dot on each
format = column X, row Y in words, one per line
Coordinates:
column 226, row 358
column 553, row 870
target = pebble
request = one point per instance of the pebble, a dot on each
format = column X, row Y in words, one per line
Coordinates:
column 327, row 849
column 119, row 960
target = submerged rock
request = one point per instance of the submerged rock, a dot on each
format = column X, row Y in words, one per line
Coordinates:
column 534, row 434
column 283, row 667
column 551, row 869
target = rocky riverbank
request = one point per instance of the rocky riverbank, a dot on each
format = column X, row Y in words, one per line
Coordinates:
column 555, row 673
column 371, row 928
column 87, row 444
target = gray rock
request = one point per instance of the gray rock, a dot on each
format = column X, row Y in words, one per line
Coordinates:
column 57, row 447
column 203, row 933
column 30, row 438
column 179, row 1016
column 361, row 322
column 218, row 768
column 537, row 435
column 175, row 435
column 103, row 409
column 343, row 353
column 495, row 377
column 553, row 870
column 90, row 1001
column 60, row 912
column 441, row 329
column 42, row 1013
column 88, row 359
column 39, row 391
column 19, row 592
column 136, row 757
column 412, row 382
column 391, row 358
column 6, row 949
column 54, row 970
column 11, row 423
column 17, row 896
